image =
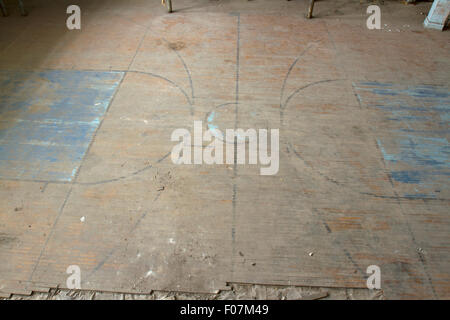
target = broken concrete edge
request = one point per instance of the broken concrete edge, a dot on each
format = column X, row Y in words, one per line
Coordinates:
column 24, row 288
column 315, row 296
column 27, row 288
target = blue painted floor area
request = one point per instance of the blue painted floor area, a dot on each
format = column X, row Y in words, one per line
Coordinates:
column 414, row 134
column 47, row 120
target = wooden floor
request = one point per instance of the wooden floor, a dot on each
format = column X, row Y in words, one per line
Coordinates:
column 86, row 176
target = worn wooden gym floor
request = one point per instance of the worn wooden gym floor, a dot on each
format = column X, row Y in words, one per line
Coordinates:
column 87, row 179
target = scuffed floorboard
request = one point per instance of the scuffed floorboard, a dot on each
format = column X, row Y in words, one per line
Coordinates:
column 135, row 222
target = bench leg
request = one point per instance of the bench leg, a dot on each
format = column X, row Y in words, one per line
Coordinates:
column 22, row 8
column 3, row 7
column 310, row 9
column 438, row 15
column 167, row 4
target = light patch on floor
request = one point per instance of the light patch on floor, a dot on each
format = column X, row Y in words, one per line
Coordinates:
column 415, row 148
column 47, row 121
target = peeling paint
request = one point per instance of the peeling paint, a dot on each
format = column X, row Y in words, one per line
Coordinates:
column 47, row 120
column 416, row 150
